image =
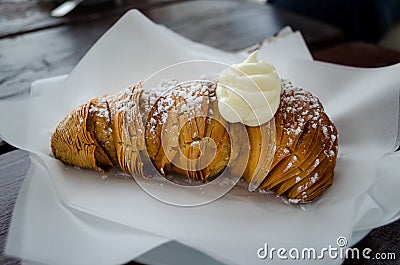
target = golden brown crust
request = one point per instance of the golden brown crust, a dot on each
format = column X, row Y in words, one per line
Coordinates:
column 177, row 123
column 116, row 130
column 72, row 143
column 306, row 150
column 97, row 126
column 127, row 128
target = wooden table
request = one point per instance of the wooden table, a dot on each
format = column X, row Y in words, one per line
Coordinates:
column 34, row 45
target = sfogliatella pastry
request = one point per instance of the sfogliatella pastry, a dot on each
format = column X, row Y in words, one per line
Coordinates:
column 195, row 129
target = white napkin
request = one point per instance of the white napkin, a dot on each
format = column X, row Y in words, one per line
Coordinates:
column 44, row 231
column 364, row 104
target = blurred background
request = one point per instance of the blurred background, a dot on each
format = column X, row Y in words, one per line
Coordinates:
column 375, row 21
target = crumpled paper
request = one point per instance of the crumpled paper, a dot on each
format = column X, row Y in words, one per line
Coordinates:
column 66, row 215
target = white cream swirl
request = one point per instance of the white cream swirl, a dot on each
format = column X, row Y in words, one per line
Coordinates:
column 249, row 92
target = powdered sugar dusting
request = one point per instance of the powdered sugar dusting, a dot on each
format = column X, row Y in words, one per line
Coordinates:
column 306, row 108
column 306, row 131
column 186, row 98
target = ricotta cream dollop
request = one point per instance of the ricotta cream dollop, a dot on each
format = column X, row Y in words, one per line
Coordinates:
column 249, row 92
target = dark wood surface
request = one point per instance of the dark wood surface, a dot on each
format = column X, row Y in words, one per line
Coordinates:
column 34, row 45
column 13, row 168
column 54, row 47
column 234, row 25
column 359, row 54
column 24, row 16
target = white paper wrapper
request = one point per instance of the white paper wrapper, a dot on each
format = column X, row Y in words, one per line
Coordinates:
column 111, row 220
